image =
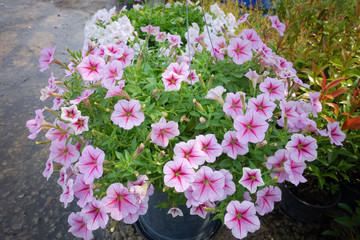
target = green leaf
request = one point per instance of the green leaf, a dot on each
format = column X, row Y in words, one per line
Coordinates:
column 352, row 72
column 331, row 233
column 346, row 207
column 227, row 163
column 344, row 221
column 119, row 155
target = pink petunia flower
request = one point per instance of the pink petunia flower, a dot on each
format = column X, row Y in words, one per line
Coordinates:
column 335, row 134
column 192, row 78
column 220, row 48
column 251, row 127
column 126, row 57
column 241, row 218
column 253, row 37
column 82, row 190
column 172, row 81
column 242, row 19
column 254, row 77
column 150, row 30
column 295, row 171
column 59, row 134
column 94, row 215
column 209, row 146
column 251, row 179
column 200, row 209
column 239, row 50
column 48, row 169
column 142, row 181
column 302, row 148
column 91, row 163
column 80, row 125
column 34, row 125
column 63, row 178
column 160, row 37
column 91, row 67
column 112, row 72
column 216, row 94
column 116, row 90
column 84, row 96
column 174, row 40
column 163, row 131
column 133, row 217
column 276, row 162
column 273, row 88
column 70, row 114
column 78, row 226
column 182, row 70
column 112, row 50
column 231, row 145
column 233, row 105
column 68, row 193
column 119, row 202
column 175, row 212
column 229, row 188
column 315, row 102
column 262, row 106
column 178, row 174
column 265, row 199
column 279, row 26
column 208, row 185
column 288, row 109
column 46, row 58
column 189, row 151
column 127, row 114
column 65, row 155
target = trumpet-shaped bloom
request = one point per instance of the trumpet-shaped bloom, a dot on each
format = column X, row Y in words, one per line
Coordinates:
column 241, row 218
column 56, row 134
column 276, row 162
column 46, row 58
column 262, row 106
column 295, row 171
column 127, row 114
column 150, row 30
column 265, row 199
column 112, row 71
column 253, row 37
column 91, row 163
column 94, row 215
column 133, row 217
column 63, row 154
column 335, row 134
column 239, row 50
column 84, row 95
column 116, row 90
column 279, row 26
column 175, row 212
column 163, row 131
column 80, row 125
column 174, row 40
column 82, row 190
column 209, row 146
column 208, row 185
column 119, row 202
column 182, row 70
column 216, row 94
column 315, row 102
column 90, row 68
column 231, row 145
column 233, row 105
column 200, row 209
column 178, row 174
column 34, row 125
column 243, row 18
column 251, row 127
column 273, row 88
column 79, row 227
column 70, row 114
column 302, row 148
column 126, row 57
column 172, row 81
column 141, row 181
column 191, row 152
column 48, row 169
column 229, row 188
column 251, row 179
column 68, row 193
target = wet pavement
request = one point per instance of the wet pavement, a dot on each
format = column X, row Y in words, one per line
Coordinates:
column 27, row 26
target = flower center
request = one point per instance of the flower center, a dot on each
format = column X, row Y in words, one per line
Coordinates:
column 300, row 146
column 248, row 127
column 163, row 131
column 270, row 90
column 206, row 181
column 253, row 177
column 205, row 148
column 93, row 68
column 260, row 107
column 187, row 155
column 128, row 114
column 177, row 173
column 233, row 142
column 65, row 151
column 238, row 215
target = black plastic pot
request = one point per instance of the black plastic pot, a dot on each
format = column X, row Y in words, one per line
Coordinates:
column 156, row 224
column 302, row 211
column 349, row 195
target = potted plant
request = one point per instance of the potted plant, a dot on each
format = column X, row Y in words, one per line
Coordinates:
column 214, row 122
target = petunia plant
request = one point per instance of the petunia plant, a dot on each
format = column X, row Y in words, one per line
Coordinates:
column 215, row 121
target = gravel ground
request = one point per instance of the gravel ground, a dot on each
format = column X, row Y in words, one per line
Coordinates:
column 29, row 206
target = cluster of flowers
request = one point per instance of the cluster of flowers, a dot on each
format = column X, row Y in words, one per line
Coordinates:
column 102, row 66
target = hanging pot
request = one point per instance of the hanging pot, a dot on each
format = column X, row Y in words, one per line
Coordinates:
column 156, row 224
column 300, row 210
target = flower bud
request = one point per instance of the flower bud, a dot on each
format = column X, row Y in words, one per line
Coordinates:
column 161, row 154
column 139, row 150
column 201, row 80
column 164, row 114
column 203, row 120
column 210, row 80
column 139, row 60
column 184, row 118
column 198, row 105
